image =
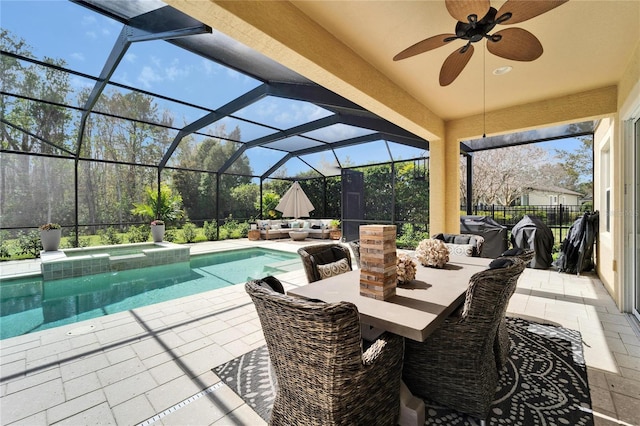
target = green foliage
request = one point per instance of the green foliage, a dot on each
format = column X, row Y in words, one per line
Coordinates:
column 167, row 208
column 138, row 234
column 189, row 232
column 409, row 237
column 109, row 236
column 233, row 229
column 82, row 242
column 29, row 243
column 49, row 226
column 269, row 202
column 4, row 244
column 170, row 235
column 210, row 230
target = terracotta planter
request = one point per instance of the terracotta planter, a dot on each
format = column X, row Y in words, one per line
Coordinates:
column 335, row 234
column 157, row 232
column 50, row 239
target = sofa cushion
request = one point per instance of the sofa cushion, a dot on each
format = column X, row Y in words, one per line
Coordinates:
column 334, row 268
column 460, row 249
column 328, row 256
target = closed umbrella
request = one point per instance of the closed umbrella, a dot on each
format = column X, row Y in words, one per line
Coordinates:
column 295, row 203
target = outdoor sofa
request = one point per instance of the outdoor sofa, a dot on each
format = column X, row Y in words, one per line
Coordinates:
column 279, row 228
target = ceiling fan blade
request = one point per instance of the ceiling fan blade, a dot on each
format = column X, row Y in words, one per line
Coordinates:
column 522, row 10
column 516, row 44
column 461, row 9
column 424, row 46
column 454, row 64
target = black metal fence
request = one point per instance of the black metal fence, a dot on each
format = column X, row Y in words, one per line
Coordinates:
column 559, row 217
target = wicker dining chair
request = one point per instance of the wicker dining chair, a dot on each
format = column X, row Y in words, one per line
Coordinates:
column 322, row 254
column 323, row 377
column 502, row 345
column 355, row 248
column 455, row 366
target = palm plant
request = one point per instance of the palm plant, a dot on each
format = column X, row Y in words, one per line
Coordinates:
column 167, row 207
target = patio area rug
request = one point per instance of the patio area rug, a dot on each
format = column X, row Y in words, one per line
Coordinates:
column 545, row 381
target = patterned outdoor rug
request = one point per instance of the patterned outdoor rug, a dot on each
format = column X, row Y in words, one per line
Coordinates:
column 545, row 382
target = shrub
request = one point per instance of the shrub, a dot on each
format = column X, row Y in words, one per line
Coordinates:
column 138, row 234
column 109, row 236
column 71, row 240
column 189, row 232
column 170, row 235
column 210, row 230
column 29, row 243
column 409, row 237
column 233, row 229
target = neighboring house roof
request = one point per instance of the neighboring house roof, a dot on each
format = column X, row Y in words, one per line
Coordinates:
column 554, row 189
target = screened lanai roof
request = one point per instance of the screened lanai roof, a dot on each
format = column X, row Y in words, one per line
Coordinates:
column 286, row 123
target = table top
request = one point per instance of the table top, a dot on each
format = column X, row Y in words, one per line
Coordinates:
column 416, row 310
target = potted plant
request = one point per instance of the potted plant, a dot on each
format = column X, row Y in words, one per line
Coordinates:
column 157, row 230
column 50, row 234
column 334, row 229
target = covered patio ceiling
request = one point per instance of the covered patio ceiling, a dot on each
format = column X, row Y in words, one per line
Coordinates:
column 154, row 20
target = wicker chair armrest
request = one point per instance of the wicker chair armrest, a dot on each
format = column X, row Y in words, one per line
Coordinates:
column 386, row 344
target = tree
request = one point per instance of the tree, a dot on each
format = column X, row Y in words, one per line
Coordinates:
column 578, row 165
column 500, row 175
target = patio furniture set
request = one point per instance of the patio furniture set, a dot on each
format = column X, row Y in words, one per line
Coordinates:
column 440, row 337
column 271, row 229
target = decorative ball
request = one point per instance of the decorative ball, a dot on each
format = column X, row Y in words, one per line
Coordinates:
column 405, row 268
column 431, row 252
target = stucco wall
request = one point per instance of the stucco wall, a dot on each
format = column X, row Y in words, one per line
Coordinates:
column 605, row 151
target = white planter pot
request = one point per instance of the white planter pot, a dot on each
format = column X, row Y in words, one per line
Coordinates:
column 157, row 232
column 50, row 239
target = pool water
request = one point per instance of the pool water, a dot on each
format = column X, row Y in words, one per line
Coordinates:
column 29, row 304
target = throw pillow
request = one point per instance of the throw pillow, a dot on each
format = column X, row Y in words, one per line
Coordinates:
column 333, row 268
column 500, row 263
column 460, row 249
column 513, row 252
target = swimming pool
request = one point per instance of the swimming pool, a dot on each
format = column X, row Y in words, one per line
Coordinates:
column 29, row 304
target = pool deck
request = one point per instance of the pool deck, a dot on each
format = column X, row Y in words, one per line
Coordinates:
column 155, row 362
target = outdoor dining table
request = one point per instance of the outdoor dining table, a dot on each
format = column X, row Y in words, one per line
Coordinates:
column 416, row 310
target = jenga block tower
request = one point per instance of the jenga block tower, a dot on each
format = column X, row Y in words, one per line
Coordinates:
column 378, row 261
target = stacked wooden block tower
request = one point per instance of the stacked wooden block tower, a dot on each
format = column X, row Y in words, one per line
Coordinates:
column 378, row 261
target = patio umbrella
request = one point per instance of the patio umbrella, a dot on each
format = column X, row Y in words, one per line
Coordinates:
column 295, row 203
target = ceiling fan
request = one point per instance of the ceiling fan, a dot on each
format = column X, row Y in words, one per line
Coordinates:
column 476, row 19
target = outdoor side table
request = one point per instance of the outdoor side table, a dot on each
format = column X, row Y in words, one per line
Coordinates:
column 298, row 235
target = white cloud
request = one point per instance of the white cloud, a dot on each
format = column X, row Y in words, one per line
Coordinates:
column 77, row 56
column 130, row 57
column 148, row 76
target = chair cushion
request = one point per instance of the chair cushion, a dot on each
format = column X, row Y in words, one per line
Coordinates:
column 460, row 249
column 334, row 268
column 500, row 263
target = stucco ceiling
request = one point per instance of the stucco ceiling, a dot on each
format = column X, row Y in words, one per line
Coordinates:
column 587, row 45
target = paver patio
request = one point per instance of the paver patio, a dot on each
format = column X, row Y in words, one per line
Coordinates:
column 154, row 363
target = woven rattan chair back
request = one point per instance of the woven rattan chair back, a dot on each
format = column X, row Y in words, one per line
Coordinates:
column 502, row 345
column 309, row 257
column 322, row 375
column 456, row 365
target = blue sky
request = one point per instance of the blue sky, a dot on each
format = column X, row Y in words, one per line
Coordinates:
column 84, row 39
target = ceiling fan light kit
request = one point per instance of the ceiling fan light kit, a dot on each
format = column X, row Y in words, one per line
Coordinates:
column 476, row 19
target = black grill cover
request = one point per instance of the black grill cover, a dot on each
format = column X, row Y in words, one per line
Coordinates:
column 532, row 233
column 576, row 251
column 495, row 235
